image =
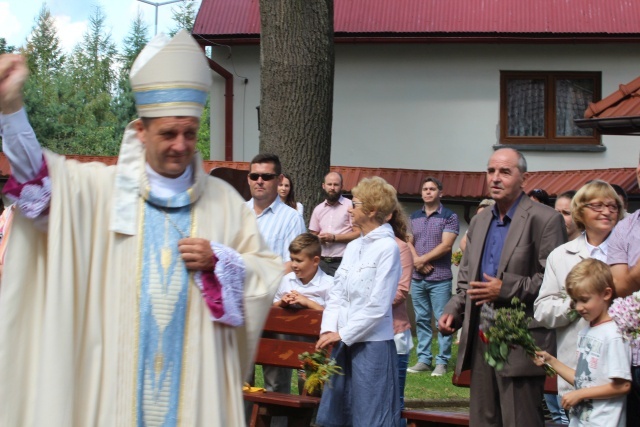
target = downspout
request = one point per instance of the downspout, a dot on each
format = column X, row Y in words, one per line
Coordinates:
column 228, row 108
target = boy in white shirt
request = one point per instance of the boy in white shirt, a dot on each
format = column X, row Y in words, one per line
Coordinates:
column 602, row 377
column 307, row 286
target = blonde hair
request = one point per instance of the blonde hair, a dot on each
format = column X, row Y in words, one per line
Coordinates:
column 377, row 195
column 307, row 243
column 596, row 189
column 589, row 276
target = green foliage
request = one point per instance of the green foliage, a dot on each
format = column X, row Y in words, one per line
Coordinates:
column 124, row 106
column 184, row 16
column 91, row 70
column 4, row 47
column 80, row 103
column 509, row 328
column 43, row 91
column 204, row 133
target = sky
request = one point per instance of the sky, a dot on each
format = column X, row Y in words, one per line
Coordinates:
column 18, row 17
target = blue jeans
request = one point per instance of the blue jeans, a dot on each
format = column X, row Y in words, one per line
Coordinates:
column 558, row 415
column 403, row 363
column 429, row 298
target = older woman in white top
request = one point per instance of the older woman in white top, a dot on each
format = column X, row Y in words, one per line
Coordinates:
column 358, row 318
column 594, row 209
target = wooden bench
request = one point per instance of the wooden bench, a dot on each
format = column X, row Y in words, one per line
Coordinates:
column 422, row 418
column 283, row 353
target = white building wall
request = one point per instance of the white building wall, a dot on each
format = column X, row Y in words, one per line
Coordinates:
column 430, row 106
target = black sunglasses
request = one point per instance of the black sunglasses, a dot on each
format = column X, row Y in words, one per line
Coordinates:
column 264, row 176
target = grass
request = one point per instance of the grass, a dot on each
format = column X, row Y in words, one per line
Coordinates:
column 418, row 386
column 425, row 387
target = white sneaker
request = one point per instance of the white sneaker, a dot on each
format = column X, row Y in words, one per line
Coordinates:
column 419, row 367
column 439, row 371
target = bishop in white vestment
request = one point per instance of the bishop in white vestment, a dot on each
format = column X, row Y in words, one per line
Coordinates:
column 132, row 295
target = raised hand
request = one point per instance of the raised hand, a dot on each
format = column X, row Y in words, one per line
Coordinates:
column 13, row 75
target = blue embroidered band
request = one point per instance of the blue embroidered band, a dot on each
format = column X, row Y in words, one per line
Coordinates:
column 164, row 96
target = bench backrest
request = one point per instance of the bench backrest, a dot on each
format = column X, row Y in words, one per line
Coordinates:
column 303, row 324
column 464, row 380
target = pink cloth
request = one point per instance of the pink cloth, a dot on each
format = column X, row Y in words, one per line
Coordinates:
column 400, row 316
column 334, row 219
column 31, row 197
column 212, row 291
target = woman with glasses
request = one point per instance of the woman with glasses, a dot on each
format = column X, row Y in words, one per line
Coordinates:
column 358, row 320
column 595, row 210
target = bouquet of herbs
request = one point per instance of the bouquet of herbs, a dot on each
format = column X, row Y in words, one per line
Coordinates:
column 625, row 312
column 318, row 368
column 505, row 328
column 456, row 257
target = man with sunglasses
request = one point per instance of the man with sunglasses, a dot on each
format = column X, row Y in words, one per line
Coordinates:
column 279, row 224
column 331, row 222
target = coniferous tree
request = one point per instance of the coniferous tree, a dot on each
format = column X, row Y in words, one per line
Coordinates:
column 184, row 16
column 92, row 75
column 124, row 104
column 4, row 47
column 45, row 61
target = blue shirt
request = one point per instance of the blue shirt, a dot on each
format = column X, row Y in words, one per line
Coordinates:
column 279, row 224
column 496, row 235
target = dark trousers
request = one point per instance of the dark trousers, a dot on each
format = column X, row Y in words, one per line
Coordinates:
column 498, row 401
column 329, row 267
column 633, row 399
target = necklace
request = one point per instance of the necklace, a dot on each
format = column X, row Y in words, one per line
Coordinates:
column 183, row 234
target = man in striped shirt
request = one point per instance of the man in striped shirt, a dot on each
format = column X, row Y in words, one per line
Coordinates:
column 279, row 224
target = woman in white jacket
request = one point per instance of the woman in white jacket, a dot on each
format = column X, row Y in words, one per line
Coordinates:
column 595, row 209
column 357, row 318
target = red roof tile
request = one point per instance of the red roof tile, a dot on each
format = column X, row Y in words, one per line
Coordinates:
column 622, row 103
column 618, row 113
column 457, row 185
column 225, row 18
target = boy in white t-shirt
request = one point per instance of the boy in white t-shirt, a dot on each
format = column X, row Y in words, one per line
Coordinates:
column 602, row 377
column 307, row 286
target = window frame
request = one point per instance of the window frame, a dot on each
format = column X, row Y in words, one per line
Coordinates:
column 550, row 78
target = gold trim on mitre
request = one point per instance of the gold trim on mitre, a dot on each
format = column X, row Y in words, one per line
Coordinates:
column 171, row 77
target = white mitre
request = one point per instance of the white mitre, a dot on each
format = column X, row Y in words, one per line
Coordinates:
column 171, row 77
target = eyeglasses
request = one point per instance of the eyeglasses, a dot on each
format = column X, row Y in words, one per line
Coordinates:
column 354, row 204
column 264, row 176
column 599, row 207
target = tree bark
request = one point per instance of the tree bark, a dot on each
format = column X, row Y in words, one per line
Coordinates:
column 296, row 91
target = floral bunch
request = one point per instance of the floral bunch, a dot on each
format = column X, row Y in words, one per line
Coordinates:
column 318, row 368
column 504, row 329
column 456, row 257
column 625, row 312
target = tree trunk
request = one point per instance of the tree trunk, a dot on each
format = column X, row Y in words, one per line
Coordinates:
column 296, row 91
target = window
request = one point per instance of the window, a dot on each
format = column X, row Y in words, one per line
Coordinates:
column 539, row 107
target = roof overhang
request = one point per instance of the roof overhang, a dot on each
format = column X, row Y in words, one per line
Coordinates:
column 428, row 38
column 612, row 125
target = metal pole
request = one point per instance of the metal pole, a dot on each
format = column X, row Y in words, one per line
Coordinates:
column 156, row 6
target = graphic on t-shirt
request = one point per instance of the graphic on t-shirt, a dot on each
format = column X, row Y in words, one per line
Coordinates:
column 589, row 349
